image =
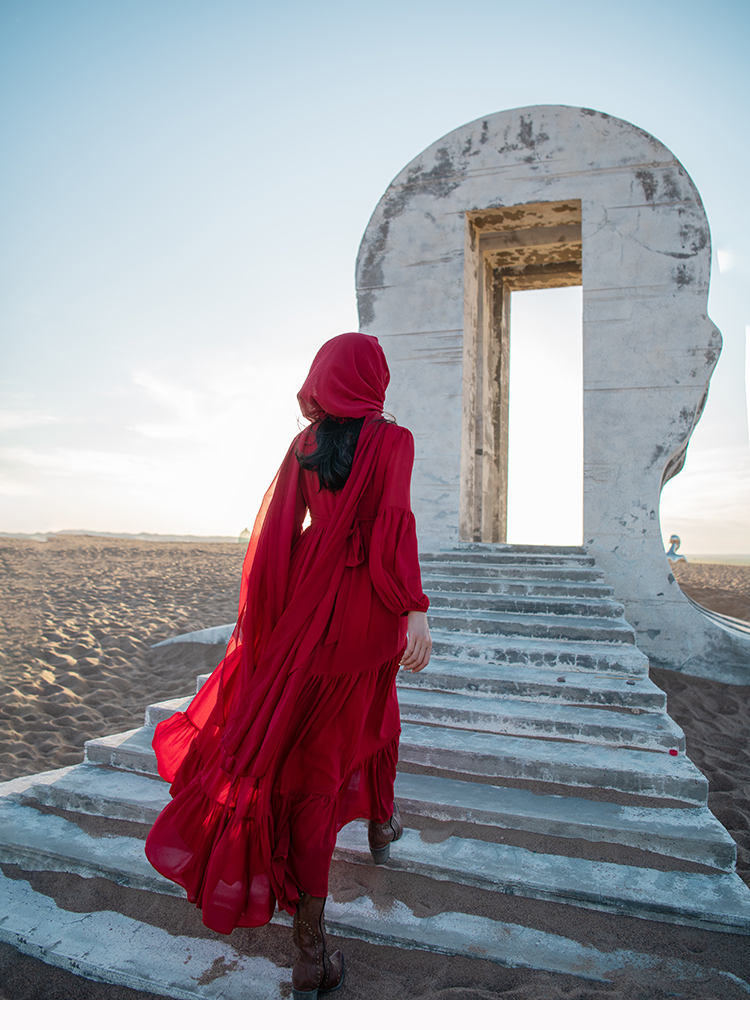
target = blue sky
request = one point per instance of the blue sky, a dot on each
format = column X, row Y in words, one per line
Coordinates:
column 183, row 192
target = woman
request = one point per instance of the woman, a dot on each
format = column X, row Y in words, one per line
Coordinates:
column 296, row 732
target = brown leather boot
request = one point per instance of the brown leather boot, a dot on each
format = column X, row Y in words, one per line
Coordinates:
column 380, row 836
column 315, row 972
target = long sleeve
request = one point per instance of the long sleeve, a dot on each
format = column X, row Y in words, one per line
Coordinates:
column 394, row 559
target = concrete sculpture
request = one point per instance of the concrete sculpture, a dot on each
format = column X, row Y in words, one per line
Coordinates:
column 542, row 197
column 674, row 546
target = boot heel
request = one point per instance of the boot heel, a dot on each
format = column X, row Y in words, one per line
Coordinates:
column 381, row 855
column 305, row 995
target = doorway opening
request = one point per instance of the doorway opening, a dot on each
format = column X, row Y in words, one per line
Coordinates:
column 529, row 247
column 545, row 418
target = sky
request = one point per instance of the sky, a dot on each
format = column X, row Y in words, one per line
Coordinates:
column 184, row 185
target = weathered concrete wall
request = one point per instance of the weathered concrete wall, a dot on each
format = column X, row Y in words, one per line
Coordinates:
column 648, row 345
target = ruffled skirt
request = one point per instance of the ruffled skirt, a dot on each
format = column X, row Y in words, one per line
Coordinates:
column 240, row 847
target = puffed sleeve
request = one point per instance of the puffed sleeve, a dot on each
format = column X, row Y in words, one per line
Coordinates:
column 394, row 560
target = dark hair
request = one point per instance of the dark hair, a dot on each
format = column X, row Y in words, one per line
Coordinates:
column 332, row 458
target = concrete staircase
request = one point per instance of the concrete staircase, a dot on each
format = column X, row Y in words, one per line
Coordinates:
column 537, row 759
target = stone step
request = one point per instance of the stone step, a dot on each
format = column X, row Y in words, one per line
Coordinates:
column 560, row 655
column 543, row 626
column 108, row 793
column 110, row 947
column 491, row 586
column 542, row 573
column 35, row 840
column 114, row 948
column 449, row 678
column 39, row 841
column 690, row 834
column 130, row 751
column 570, row 687
column 211, row 635
column 646, row 773
column 492, row 549
column 718, row 900
column 161, row 710
column 552, row 762
column 653, row 731
column 521, row 556
column 597, row 607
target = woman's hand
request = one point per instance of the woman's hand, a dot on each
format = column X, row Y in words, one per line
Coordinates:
column 418, row 643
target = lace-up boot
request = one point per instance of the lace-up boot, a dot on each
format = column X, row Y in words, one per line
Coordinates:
column 315, row 972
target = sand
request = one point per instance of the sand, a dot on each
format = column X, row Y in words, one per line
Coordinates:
column 78, row 617
column 722, row 588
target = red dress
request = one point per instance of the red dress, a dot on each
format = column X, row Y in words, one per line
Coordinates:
column 296, row 733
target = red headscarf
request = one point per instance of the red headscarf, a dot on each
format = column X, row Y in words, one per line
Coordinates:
column 347, row 379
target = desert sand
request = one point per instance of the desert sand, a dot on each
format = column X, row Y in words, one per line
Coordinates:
column 77, row 618
column 722, row 588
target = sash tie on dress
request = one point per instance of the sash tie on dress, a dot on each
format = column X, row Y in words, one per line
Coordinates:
column 356, row 553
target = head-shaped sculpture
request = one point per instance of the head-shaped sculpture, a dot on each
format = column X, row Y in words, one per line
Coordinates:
column 523, row 199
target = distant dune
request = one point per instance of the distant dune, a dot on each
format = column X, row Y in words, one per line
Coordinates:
column 719, row 559
column 165, row 537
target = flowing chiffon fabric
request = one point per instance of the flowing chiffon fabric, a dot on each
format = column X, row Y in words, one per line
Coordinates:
column 296, row 732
